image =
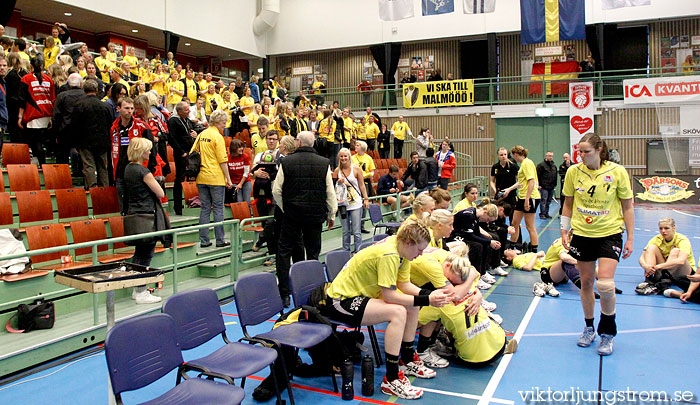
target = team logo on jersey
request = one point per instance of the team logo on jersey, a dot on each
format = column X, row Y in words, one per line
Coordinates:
column 664, row 189
column 608, row 178
column 589, row 220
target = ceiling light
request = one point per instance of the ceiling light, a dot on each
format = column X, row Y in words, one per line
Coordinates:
column 187, row 44
column 68, row 14
column 134, row 30
column 544, row 111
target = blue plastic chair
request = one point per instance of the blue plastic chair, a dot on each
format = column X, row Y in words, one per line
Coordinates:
column 375, row 215
column 257, row 299
column 366, row 244
column 198, row 319
column 335, row 260
column 144, row 349
column 379, row 237
column 304, row 277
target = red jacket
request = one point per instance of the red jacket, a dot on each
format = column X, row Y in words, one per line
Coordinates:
column 364, row 86
column 448, row 163
column 39, row 97
column 136, row 128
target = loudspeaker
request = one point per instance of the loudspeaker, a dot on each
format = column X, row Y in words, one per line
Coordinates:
column 171, row 41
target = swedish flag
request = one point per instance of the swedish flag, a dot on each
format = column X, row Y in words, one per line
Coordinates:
column 552, row 20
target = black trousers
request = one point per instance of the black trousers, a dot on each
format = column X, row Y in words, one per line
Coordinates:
column 371, row 143
column 398, row 148
column 180, row 164
column 295, row 234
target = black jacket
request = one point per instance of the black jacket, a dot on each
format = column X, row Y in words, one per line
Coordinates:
column 547, row 175
column 433, row 169
column 563, row 168
column 179, row 135
column 63, row 111
column 466, row 226
column 92, row 121
column 419, row 174
column 304, row 187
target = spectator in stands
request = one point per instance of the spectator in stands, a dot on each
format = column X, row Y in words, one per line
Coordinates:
column 254, row 89
column 198, row 115
column 447, row 163
column 176, row 90
column 390, row 184
column 563, row 168
column 366, row 163
column 303, row 190
column 37, row 94
column 58, row 76
column 213, row 100
column 158, row 122
column 351, row 193
column 399, row 129
column 433, row 167
column 384, row 142
column 181, row 138
column 435, row 76
column 191, row 87
column 91, row 120
column 143, row 193
column 318, row 85
column 299, row 124
column 170, row 61
column 365, row 88
column 116, row 92
column 423, row 141
column 416, row 174
column 62, row 117
column 103, row 64
column 93, row 74
column 547, row 178
column 587, row 66
column 51, row 51
column 133, row 64
column 371, row 132
column 213, row 177
column 3, row 100
column 239, row 171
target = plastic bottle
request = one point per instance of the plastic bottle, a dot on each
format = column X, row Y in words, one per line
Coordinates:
column 348, row 374
column 367, row 376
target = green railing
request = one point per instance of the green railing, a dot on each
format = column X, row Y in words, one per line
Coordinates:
column 504, row 89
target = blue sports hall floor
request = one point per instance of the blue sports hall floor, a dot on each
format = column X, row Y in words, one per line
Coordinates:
column 655, row 353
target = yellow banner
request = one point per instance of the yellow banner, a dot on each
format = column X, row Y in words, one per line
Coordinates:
column 438, row 94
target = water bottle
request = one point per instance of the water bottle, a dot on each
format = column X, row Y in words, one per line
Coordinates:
column 367, row 376
column 348, row 374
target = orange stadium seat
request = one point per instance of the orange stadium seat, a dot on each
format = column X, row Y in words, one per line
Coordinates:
column 104, row 200
column 90, row 230
column 15, row 154
column 34, row 206
column 23, row 177
column 71, row 203
column 241, row 211
column 57, row 176
column 190, row 190
column 5, row 209
column 46, row 236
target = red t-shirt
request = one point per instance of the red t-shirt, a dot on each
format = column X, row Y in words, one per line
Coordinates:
column 237, row 166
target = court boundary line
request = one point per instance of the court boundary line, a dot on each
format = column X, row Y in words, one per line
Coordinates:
column 467, row 396
column 646, row 330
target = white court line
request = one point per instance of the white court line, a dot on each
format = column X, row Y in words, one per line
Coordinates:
column 468, row 396
column 685, row 213
column 490, row 389
column 661, row 329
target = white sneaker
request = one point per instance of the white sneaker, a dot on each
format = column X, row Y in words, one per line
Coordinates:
column 416, row 368
column 488, row 278
column 432, row 359
column 488, row 305
column 498, row 271
column 550, row 290
column 496, row 318
column 401, row 387
column 504, row 264
column 145, row 297
column 482, row 285
column 442, row 350
column 538, row 289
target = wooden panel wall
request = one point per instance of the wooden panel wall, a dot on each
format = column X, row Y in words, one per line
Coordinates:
column 509, row 63
column 657, row 30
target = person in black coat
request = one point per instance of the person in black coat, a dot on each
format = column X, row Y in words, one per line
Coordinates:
column 62, row 116
column 547, row 179
column 181, row 137
column 384, row 142
column 12, row 86
column 92, row 121
column 416, row 173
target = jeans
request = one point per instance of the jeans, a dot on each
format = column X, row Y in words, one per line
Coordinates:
column 547, row 195
column 443, row 183
column 143, row 253
column 352, row 225
column 366, row 99
column 244, row 193
column 212, row 198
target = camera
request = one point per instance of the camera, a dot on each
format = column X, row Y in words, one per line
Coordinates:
column 343, row 210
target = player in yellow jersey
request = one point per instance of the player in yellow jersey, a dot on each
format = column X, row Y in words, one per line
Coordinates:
column 469, row 196
column 375, row 287
column 598, row 207
column 441, row 224
column 667, row 259
column 528, row 197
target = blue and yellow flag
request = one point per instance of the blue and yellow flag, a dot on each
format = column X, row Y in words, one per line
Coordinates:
column 552, row 20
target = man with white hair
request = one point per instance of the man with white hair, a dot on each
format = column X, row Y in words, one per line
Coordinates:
column 303, row 190
column 62, row 112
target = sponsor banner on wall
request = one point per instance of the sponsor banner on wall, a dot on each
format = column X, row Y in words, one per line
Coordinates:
column 581, row 113
column 662, row 90
column 666, row 189
column 438, row 94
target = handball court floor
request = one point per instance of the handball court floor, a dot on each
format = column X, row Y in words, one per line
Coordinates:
column 655, row 351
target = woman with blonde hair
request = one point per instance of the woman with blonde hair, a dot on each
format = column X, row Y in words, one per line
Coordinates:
column 51, row 51
column 352, row 197
column 213, row 177
column 440, row 222
column 422, row 205
column 141, row 196
column 481, row 243
column 65, row 61
column 528, row 197
column 58, row 75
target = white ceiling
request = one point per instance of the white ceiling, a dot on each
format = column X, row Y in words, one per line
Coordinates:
column 90, row 21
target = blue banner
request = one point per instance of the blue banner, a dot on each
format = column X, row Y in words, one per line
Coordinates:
column 434, row 7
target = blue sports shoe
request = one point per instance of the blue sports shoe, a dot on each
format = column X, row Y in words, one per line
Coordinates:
column 605, row 347
column 587, row 337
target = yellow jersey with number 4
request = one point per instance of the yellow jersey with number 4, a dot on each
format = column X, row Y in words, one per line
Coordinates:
column 597, row 211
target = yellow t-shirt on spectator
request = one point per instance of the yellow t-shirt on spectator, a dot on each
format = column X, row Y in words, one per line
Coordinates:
column 208, row 98
column 253, row 123
column 258, row 143
column 159, row 87
column 400, row 129
column 317, row 87
column 133, row 64
column 212, row 149
column 50, row 56
column 360, row 131
column 326, row 129
column 112, row 57
column 371, row 131
column 247, row 103
column 174, row 98
column 191, row 90
column 104, row 65
column 365, row 162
